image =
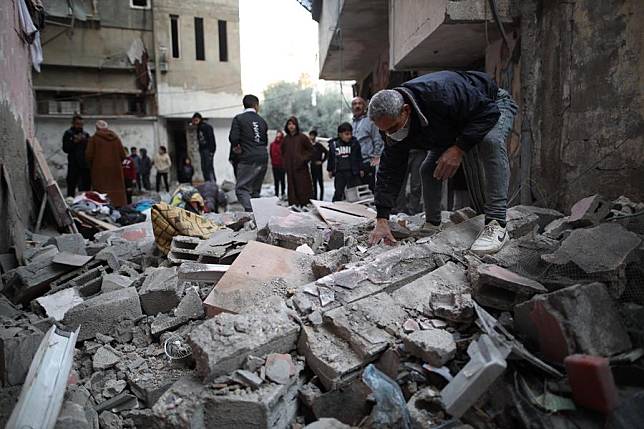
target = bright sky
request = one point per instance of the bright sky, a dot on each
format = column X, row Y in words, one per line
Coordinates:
column 279, row 41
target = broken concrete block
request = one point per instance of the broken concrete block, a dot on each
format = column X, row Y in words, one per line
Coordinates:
column 36, row 277
column 576, row 319
column 279, row 367
column 150, row 380
column 487, row 363
column 161, row 291
column 329, row 357
column 600, row 253
column 270, row 406
column 164, row 323
column 71, row 259
column 502, row 289
column 368, row 325
column 181, row 405
column 7, row 309
column 445, row 292
column 195, row 271
column 384, row 273
column 348, row 404
column 335, row 240
column 18, row 344
column 57, row 304
column 109, row 420
column 74, row 416
column 231, row 220
column 105, row 357
column 71, row 243
column 422, row 408
column 220, row 345
column 589, row 211
column 190, row 306
column 113, row 282
column 259, row 272
column 327, row 423
column 545, row 215
column 555, row 228
column 248, row 378
column 434, row 346
column 292, row 231
column 331, row 262
column 461, row 215
column 520, row 223
column 102, row 312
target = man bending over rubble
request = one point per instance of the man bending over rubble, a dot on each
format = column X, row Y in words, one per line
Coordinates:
column 446, row 113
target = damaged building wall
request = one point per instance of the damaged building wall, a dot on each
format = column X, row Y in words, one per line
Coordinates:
column 16, row 122
column 582, row 69
column 186, row 85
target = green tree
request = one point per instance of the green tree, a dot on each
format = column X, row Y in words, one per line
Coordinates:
column 285, row 99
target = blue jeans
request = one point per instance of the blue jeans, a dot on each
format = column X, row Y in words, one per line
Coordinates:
column 494, row 156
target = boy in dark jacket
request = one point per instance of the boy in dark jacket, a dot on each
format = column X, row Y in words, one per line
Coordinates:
column 345, row 161
column 320, row 154
column 186, row 171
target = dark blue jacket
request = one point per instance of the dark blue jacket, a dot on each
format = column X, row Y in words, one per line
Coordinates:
column 344, row 156
column 448, row 108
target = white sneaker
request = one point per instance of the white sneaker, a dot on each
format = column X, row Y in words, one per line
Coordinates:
column 491, row 239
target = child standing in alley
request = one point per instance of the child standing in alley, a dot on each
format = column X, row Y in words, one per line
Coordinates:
column 162, row 162
column 345, row 161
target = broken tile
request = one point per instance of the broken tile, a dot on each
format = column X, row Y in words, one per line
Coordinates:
column 195, row 271
column 113, row 282
column 279, row 367
column 259, row 272
column 434, row 346
column 502, row 289
column 589, row 211
column 57, row 304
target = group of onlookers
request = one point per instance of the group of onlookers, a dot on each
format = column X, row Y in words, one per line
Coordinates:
column 101, row 163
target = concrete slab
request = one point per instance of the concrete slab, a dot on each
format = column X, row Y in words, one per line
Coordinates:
column 161, row 291
column 266, row 208
column 502, row 289
column 434, row 346
column 259, row 272
column 456, row 238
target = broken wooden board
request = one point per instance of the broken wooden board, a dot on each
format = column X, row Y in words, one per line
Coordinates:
column 260, row 271
column 266, row 208
column 57, row 203
column 342, row 212
column 15, row 224
column 95, row 222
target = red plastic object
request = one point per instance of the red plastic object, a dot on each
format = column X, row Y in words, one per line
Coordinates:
column 592, row 382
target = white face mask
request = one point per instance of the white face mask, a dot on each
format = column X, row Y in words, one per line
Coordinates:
column 401, row 134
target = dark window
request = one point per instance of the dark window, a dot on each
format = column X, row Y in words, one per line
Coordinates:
column 174, row 34
column 223, row 41
column 141, row 3
column 199, row 42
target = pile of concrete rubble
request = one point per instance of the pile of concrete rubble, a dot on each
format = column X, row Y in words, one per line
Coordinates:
column 299, row 323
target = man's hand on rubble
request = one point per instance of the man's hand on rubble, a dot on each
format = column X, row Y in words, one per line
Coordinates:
column 381, row 232
column 448, row 163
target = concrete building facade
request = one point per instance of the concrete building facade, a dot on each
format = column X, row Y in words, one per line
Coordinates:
column 16, row 126
column 114, row 61
column 574, row 68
